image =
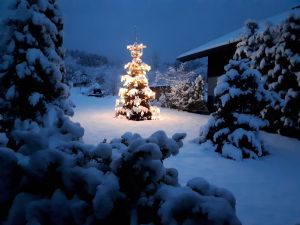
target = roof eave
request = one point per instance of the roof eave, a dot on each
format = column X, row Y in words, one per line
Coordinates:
column 207, row 52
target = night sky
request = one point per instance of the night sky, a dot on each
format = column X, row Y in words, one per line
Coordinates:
column 167, row 27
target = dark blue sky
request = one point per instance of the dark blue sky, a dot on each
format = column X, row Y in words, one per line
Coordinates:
column 167, row 27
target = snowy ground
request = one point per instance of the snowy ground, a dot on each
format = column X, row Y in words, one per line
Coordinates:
column 267, row 190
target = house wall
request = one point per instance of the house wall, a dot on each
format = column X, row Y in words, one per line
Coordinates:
column 216, row 63
column 211, row 84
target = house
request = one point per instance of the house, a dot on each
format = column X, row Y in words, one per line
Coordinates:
column 219, row 51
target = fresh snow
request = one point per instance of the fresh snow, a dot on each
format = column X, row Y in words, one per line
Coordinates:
column 231, row 151
column 266, row 189
column 96, row 115
column 34, row 98
column 11, row 92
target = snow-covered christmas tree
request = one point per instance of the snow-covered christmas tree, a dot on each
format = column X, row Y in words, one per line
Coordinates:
column 32, row 93
column 135, row 94
column 233, row 128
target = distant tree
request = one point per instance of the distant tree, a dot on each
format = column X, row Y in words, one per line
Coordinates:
column 233, row 128
column 92, row 60
column 88, row 59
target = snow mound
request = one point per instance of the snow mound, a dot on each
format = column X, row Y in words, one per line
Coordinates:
column 76, row 183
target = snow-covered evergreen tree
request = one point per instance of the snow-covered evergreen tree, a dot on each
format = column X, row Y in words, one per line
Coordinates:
column 259, row 48
column 248, row 43
column 275, row 54
column 286, row 71
column 264, row 61
column 233, row 128
column 263, row 55
column 32, row 93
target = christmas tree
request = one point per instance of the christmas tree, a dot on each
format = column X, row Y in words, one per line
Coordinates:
column 135, row 94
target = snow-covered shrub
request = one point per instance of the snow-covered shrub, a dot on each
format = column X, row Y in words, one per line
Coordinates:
column 124, row 182
column 187, row 96
column 95, row 90
column 187, row 89
column 34, row 100
column 174, row 74
column 83, row 75
column 233, row 128
column 162, row 101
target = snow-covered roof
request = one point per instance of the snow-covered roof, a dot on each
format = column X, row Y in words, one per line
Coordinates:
column 235, row 35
